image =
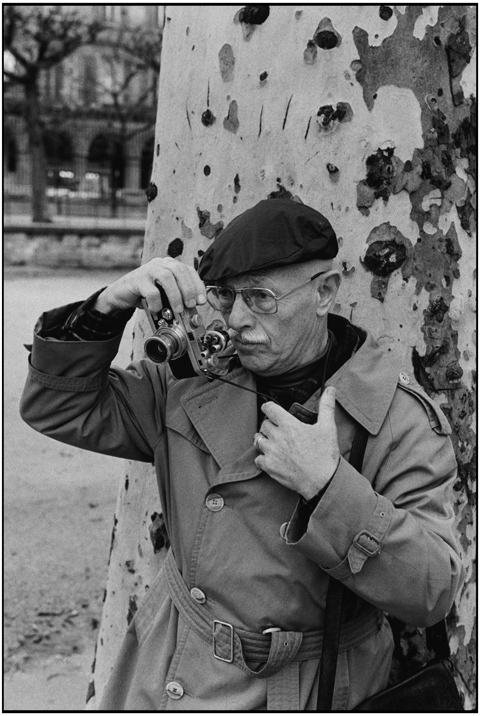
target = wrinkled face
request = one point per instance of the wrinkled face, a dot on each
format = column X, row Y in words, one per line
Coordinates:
column 272, row 344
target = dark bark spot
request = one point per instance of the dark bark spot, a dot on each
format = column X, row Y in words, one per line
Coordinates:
column 384, row 257
column 254, row 14
column 385, row 12
column 325, row 36
column 208, row 118
column 175, row 248
column 263, row 76
column 151, row 191
column 326, row 39
column 329, row 117
column 206, row 170
column 236, row 184
column 280, row 193
column 158, row 533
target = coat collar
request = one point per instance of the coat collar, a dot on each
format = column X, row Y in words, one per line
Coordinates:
column 365, row 385
column 226, row 417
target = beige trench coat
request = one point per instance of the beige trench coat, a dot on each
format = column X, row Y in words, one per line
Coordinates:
column 248, row 561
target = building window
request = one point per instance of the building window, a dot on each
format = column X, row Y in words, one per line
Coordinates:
column 146, row 163
column 116, row 13
column 11, row 155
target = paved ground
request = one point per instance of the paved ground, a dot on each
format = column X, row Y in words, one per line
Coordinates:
column 58, row 515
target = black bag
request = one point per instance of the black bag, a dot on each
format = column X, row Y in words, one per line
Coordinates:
column 431, row 689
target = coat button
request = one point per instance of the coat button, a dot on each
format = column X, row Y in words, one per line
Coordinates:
column 198, row 595
column 404, row 379
column 283, row 530
column 214, row 502
column 174, row 690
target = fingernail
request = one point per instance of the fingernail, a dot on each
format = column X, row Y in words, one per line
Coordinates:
column 202, row 298
column 178, row 309
column 191, row 303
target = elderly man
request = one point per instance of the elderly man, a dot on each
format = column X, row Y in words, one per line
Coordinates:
column 261, row 505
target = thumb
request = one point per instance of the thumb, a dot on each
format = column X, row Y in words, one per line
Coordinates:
column 326, row 405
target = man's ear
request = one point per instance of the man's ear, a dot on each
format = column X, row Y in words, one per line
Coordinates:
column 327, row 288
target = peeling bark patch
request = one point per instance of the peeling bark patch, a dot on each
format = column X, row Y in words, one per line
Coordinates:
column 388, row 250
column 227, row 63
column 208, row 118
column 132, row 608
column 151, row 191
column 231, row 122
column 405, row 61
column 90, row 690
column 206, row 227
column 459, row 52
column 310, row 53
column 325, row 36
column 175, row 248
column 328, row 117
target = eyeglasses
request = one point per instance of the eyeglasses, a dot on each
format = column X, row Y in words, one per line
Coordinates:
column 259, row 300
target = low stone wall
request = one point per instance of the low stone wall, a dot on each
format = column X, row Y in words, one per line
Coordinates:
column 106, row 247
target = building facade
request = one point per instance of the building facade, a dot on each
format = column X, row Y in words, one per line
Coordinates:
column 98, row 114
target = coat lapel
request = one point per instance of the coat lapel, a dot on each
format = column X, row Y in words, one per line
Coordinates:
column 225, row 417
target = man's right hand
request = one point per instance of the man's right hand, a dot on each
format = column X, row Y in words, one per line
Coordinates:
column 181, row 283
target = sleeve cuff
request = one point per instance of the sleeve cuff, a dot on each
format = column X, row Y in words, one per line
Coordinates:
column 346, row 527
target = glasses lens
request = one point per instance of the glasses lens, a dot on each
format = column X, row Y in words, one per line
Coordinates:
column 260, row 300
column 221, row 298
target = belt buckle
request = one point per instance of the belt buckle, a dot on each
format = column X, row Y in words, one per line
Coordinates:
column 221, row 658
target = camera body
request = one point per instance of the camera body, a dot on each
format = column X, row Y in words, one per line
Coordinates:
column 182, row 340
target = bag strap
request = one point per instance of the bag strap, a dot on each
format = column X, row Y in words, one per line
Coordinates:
column 333, row 607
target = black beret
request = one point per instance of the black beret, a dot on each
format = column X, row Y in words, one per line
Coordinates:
column 273, row 233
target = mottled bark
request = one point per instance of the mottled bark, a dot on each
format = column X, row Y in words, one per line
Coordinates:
column 367, row 113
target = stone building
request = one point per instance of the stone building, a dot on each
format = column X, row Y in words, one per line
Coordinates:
column 99, row 111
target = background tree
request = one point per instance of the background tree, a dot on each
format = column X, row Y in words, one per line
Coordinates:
column 36, row 38
column 125, row 87
column 366, row 112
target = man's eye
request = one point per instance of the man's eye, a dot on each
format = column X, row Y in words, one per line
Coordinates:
column 262, row 296
column 225, row 294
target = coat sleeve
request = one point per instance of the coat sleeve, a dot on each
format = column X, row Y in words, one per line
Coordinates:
column 72, row 394
column 389, row 535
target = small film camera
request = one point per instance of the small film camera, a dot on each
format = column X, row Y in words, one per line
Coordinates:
column 182, row 340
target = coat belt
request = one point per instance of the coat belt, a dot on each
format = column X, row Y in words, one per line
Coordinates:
column 275, row 649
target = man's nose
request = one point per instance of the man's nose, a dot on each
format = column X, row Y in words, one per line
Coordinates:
column 240, row 316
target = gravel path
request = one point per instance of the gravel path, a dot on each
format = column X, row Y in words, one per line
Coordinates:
column 59, row 504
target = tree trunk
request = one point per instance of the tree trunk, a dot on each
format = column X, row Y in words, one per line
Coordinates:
column 365, row 112
column 37, row 154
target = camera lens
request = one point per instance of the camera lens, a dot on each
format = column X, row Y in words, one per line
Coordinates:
column 161, row 349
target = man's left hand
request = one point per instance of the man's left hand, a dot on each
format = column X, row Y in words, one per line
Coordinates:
column 301, row 457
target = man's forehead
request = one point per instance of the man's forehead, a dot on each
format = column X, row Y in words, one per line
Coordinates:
column 263, row 277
